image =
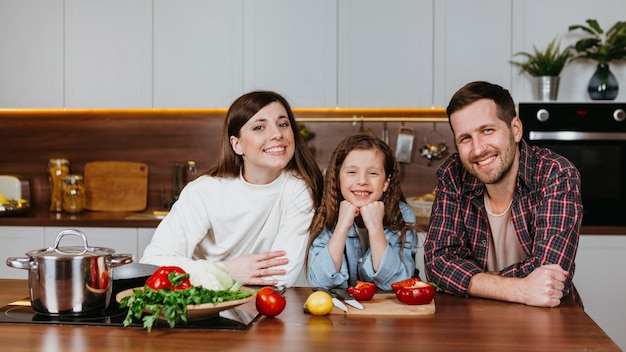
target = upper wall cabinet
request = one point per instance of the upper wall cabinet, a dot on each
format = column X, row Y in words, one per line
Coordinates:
column 385, row 53
column 198, row 53
column 108, row 53
column 31, row 58
column 291, row 47
column 318, row 53
column 471, row 43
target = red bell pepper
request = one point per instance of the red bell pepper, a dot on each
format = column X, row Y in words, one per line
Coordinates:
column 169, row 277
column 418, row 293
column 363, row 291
column 408, row 282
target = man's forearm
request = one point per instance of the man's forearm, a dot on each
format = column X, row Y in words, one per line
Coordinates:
column 542, row 288
column 493, row 286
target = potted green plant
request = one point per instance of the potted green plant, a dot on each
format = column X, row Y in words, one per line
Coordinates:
column 603, row 48
column 545, row 67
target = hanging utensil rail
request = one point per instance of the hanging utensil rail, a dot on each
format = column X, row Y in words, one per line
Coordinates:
column 373, row 119
column 355, row 115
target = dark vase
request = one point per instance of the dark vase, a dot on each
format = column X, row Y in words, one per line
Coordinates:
column 603, row 84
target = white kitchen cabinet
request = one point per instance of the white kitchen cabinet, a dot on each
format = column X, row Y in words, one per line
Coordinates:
column 600, row 278
column 471, row 42
column 31, row 63
column 15, row 241
column 198, row 53
column 144, row 235
column 327, row 53
column 291, row 47
column 385, row 53
column 108, row 54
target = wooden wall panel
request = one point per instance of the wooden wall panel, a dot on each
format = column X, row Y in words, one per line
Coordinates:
column 162, row 138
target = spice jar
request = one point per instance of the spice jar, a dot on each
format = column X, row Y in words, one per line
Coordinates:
column 73, row 194
column 57, row 169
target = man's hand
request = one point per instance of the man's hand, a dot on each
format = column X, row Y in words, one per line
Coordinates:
column 544, row 286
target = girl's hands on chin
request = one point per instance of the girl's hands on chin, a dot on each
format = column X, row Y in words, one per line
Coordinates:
column 257, row 269
column 347, row 213
column 372, row 215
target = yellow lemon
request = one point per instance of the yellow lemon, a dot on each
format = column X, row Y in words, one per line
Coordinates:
column 319, row 303
column 3, row 199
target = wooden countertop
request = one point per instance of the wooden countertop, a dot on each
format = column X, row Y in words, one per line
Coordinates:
column 43, row 217
column 459, row 324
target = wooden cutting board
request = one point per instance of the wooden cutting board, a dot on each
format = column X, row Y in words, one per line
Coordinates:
column 116, row 186
column 385, row 303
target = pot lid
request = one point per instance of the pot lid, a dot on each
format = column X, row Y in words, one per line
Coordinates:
column 79, row 252
column 70, row 252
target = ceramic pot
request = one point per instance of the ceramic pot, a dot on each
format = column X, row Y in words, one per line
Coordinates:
column 603, row 84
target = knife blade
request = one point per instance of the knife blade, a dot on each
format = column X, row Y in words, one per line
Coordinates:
column 336, row 302
column 343, row 294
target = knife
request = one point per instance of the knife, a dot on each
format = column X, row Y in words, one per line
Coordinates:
column 337, row 303
column 343, row 294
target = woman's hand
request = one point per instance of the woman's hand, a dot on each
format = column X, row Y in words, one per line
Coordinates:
column 257, row 269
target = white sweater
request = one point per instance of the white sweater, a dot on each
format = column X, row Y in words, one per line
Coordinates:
column 221, row 218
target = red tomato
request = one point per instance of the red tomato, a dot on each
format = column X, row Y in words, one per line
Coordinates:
column 269, row 302
column 419, row 293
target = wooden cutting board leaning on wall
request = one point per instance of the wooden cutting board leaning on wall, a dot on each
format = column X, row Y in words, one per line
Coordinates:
column 116, row 186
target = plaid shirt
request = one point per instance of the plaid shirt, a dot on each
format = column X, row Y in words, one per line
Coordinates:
column 546, row 213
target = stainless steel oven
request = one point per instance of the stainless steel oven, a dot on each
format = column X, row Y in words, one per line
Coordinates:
column 592, row 135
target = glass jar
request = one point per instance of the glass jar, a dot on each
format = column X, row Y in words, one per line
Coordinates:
column 73, row 194
column 57, row 169
column 190, row 172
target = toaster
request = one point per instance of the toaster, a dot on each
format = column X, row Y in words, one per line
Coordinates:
column 14, row 187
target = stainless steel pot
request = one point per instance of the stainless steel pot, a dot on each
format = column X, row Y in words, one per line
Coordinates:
column 70, row 280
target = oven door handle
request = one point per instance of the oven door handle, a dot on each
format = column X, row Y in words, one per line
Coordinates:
column 576, row 136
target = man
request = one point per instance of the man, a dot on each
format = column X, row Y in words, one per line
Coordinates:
column 506, row 217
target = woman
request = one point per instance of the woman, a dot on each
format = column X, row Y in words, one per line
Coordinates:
column 363, row 230
column 251, row 211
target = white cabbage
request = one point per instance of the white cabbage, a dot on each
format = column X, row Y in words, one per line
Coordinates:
column 211, row 275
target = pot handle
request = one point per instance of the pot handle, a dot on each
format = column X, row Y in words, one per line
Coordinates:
column 20, row 263
column 121, row 259
column 74, row 233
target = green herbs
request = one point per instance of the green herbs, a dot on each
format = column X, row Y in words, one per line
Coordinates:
column 172, row 304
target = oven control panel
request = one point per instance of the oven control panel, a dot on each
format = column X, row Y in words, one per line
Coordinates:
column 589, row 117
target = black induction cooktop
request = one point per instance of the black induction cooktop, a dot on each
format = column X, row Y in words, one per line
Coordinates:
column 21, row 312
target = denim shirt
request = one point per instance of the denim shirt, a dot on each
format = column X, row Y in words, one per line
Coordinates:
column 356, row 263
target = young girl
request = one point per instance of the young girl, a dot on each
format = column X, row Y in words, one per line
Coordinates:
column 363, row 230
column 251, row 212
